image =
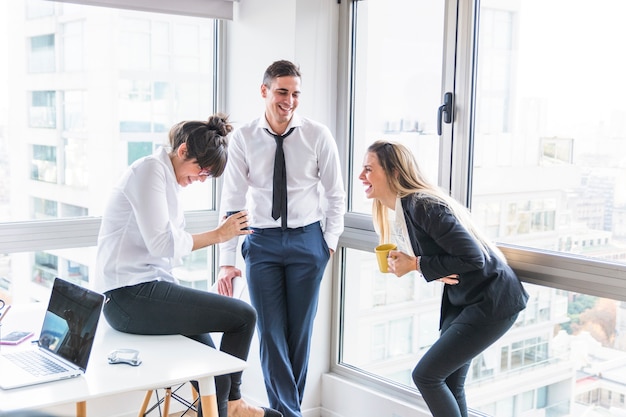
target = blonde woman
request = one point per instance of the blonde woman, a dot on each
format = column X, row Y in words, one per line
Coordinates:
column 482, row 296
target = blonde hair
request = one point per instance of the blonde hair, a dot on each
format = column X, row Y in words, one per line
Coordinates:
column 404, row 178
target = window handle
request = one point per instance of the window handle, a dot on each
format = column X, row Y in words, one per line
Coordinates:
column 445, row 111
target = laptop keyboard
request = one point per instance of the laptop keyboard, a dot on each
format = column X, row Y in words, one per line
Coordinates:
column 35, row 363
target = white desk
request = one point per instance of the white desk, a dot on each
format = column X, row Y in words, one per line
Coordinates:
column 167, row 361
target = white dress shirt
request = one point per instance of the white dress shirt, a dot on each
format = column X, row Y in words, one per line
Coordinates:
column 315, row 189
column 142, row 234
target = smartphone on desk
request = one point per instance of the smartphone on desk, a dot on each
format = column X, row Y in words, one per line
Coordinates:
column 15, row 337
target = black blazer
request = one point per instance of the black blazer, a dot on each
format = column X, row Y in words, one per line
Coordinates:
column 488, row 289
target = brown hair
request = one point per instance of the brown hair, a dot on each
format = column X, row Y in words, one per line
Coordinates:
column 280, row 69
column 207, row 142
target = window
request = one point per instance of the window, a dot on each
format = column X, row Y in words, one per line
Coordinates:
column 556, row 144
column 44, row 209
column 76, row 157
column 72, row 38
column 540, row 167
column 73, row 107
column 42, row 54
column 395, row 101
column 100, row 91
column 557, row 151
column 43, row 109
column 44, row 164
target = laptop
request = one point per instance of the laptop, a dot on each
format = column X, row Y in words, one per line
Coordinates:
column 65, row 340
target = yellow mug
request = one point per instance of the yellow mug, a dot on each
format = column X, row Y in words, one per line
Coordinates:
column 382, row 252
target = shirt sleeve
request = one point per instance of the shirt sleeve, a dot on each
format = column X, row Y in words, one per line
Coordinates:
column 234, row 190
column 334, row 193
column 453, row 250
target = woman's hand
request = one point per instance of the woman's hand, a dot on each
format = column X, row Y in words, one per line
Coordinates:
column 450, row 279
column 400, row 264
column 233, row 226
column 228, row 228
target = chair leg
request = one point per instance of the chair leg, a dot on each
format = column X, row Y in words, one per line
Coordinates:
column 144, row 406
column 166, row 402
column 168, row 394
column 194, row 393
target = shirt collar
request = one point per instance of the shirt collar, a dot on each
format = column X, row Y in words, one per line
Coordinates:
column 163, row 154
column 296, row 121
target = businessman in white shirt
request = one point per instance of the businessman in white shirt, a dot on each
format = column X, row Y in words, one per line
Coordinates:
column 294, row 231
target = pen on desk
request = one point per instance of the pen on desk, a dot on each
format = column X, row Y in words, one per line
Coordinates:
column 5, row 312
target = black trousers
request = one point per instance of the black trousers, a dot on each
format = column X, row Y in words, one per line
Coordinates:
column 440, row 374
column 162, row 308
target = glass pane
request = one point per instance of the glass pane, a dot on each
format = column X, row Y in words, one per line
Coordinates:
column 397, row 81
column 563, row 357
column 388, row 321
column 99, row 88
column 548, row 174
column 28, row 276
column 549, row 171
column 90, row 117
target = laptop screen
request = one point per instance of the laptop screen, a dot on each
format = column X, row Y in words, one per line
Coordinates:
column 70, row 323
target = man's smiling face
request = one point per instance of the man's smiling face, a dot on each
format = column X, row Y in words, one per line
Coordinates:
column 281, row 101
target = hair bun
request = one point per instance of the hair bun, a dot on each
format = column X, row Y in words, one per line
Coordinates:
column 219, row 123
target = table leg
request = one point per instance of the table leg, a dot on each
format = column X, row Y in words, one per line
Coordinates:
column 208, row 399
column 81, row 409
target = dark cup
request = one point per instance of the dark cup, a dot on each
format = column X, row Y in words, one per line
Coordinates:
column 230, row 213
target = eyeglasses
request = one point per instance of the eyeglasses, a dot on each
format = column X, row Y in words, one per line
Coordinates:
column 204, row 172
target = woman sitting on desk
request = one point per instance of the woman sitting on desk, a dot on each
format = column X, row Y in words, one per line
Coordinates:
column 142, row 238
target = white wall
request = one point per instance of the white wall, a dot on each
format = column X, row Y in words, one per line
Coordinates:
column 302, row 31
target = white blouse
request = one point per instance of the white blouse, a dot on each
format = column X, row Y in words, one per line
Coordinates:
column 142, row 236
column 400, row 233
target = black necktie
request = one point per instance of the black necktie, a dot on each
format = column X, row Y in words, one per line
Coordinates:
column 279, row 196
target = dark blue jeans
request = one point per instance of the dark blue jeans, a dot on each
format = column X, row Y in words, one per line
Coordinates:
column 440, row 374
column 285, row 269
column 161, row 308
